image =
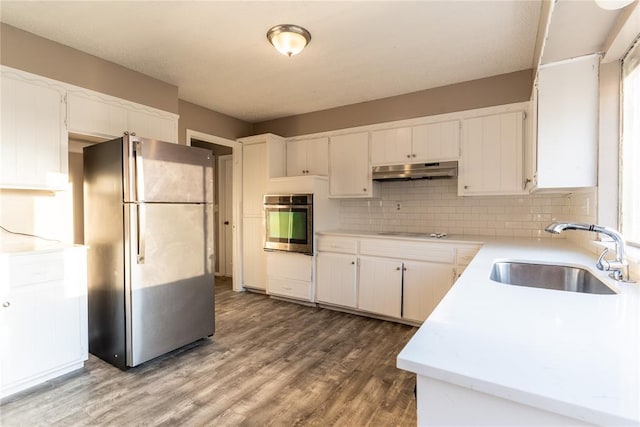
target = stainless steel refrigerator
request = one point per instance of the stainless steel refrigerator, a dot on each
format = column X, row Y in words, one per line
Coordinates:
column 148, row 221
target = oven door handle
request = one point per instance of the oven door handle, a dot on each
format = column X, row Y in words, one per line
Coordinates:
column 287, row 206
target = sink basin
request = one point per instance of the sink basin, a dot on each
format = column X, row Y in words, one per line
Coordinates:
column 546, row 276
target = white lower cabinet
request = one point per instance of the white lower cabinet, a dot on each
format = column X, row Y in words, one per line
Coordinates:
column 43, row 317
column 398, row 279
column 380, row 286
column 336, row 279
column 290, row 275
column 424, row 285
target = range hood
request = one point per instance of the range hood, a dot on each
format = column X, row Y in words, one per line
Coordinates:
column 415, row 171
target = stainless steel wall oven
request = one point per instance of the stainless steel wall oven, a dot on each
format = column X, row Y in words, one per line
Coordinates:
column 289, row 223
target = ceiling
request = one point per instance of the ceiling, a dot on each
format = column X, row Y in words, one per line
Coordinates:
column 217, row 54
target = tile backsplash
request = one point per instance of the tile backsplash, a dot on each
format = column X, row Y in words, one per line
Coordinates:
column 434, row 206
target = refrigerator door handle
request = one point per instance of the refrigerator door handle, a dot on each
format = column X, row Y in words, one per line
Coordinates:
column 139, row 171
column 141, row 226
column 141, row 209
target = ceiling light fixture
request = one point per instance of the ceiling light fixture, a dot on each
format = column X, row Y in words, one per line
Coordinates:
column 288, row 39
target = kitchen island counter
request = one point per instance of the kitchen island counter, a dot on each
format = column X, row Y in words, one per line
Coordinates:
column 572, row 356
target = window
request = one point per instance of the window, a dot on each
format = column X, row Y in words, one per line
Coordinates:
column 630, row 148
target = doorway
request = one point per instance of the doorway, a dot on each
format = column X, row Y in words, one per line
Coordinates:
column 225, row 152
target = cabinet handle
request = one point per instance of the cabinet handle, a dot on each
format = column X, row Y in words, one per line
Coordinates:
column 408, row 156
column 466, row 187
column 413, row 155
column 398, row 268
column 133, row 134
column 353, row 263
column 404, row 268
column 6, row 304
column 364, row 189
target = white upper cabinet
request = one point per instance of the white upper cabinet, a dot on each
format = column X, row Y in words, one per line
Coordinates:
column 308, row 157
column 349, row 167
column 254, row 178
column 92, row 116
column 492, row 159
column 33, row 141
column 437, row 141
column 96, row 114
column 391, row 146
column 567, row 128
column 419, row 144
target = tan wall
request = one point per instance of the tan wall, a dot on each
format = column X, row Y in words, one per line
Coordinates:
column 490, row 91
column 28, row 52
column 200, row 119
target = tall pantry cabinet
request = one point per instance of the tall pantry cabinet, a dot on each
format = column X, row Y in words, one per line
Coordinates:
column 256, row 171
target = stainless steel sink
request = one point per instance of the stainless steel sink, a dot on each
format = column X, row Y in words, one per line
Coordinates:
column 546, row 276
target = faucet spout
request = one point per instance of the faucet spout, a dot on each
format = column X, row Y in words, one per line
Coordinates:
column 619, row 268
column 559, row 227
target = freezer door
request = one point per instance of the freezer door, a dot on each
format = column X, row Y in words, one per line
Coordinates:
column 167, row 173
column 170, row 294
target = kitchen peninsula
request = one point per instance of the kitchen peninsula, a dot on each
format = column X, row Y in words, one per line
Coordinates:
column 515, row 355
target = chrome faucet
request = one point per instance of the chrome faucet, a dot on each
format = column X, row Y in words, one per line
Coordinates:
column 620, row 267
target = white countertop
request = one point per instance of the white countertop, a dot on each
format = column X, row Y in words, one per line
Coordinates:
column 424, row 237
column 12, row 245
column 565, row 352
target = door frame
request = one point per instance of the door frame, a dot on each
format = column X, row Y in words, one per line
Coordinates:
column 222, row 206
column 236, row 188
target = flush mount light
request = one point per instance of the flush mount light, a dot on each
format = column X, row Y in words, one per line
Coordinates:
column 288, row 39
column 613, row 4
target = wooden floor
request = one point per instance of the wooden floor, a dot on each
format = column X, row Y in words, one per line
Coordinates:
column 269, row 363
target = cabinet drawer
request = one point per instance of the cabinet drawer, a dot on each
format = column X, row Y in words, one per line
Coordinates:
column 289, row 266
column 289, row 288
column 346, row 245
column 410, row 250
column 30, row 269
column 466, row 254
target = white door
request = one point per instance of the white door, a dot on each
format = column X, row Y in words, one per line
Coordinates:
column 391, row 146
column 349, row 164
column 380, row 286
column 318, row 156
column 336, row 279
column 296, row 158
column 425, row 284
column 225, row 244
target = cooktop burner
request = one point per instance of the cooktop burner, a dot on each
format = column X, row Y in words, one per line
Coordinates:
column 413, row 234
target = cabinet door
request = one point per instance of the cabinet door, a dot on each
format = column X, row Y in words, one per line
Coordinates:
column 254, row 178
column 92, row 116
column 425, row 284
column 147, row 125
column 318, row 156
column 33, row 141
column 380, row 286
column 437, row 141
column 254, row 260
column 349, row 169
column 391, row 146
column 43, row 318
column 296, row 158
column 568, row 124
column 336, row 279
column 492, row 155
